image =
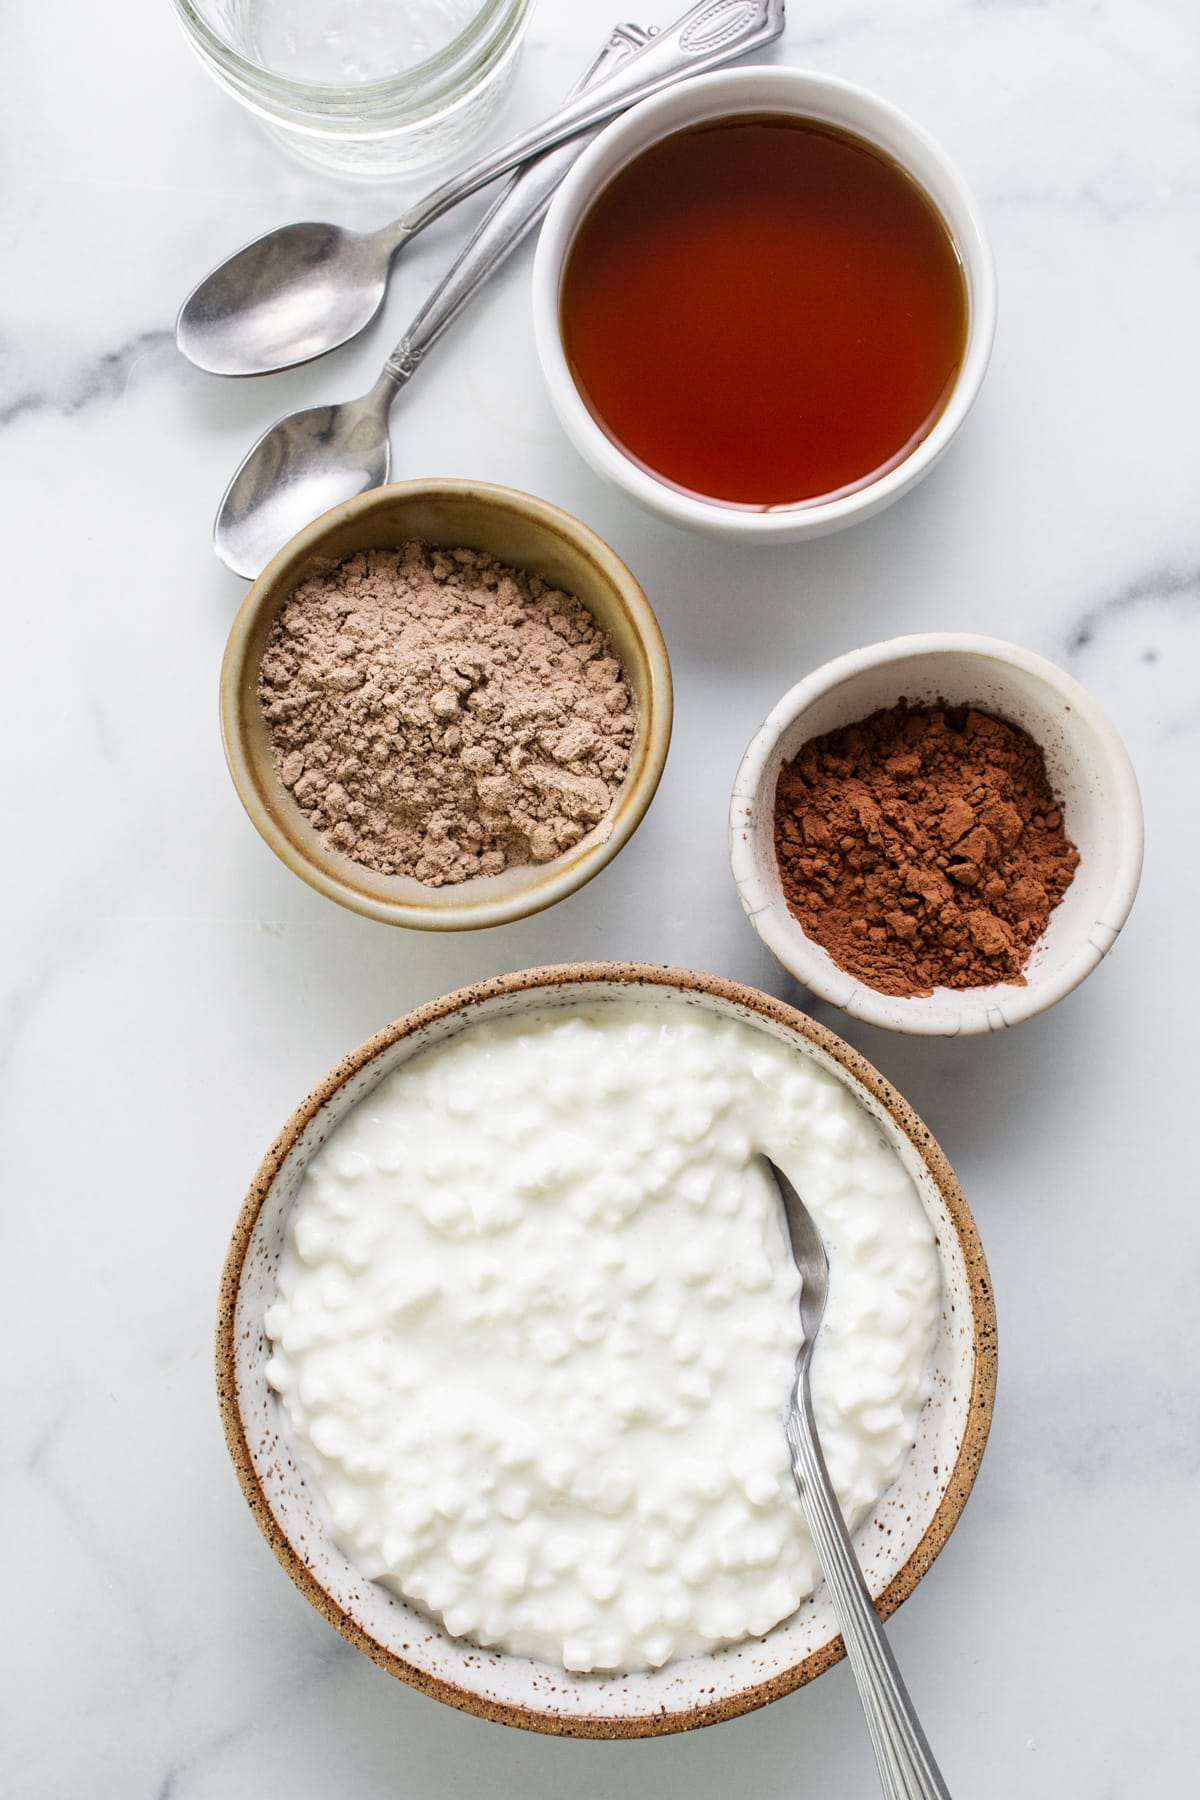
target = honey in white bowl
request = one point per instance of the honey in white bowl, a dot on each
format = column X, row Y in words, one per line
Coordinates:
column 764, row 311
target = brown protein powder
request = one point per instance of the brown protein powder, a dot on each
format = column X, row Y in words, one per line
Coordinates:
column 437, row 714
column 923, row 847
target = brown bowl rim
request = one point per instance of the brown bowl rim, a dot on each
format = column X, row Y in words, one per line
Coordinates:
column 551, row 881
column 983, row 1319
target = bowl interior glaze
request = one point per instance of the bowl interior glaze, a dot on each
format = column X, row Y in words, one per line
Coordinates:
column 895, row 1546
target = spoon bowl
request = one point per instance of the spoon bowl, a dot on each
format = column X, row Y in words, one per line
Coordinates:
column 812, row 1264
column 299, row 468
column 286, row 297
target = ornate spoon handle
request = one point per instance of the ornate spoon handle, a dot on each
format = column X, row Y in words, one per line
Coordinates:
column 706, row 37
column 907, row 1769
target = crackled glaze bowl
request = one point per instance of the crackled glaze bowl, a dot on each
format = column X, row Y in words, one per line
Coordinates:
column 895, row 1545
column 1090, row 773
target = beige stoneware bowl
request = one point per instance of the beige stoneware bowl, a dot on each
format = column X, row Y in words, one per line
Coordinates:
column 526, row 533
column 895, row 1546
column 1089, row 771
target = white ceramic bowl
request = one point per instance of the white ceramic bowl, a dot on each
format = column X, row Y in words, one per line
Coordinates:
column 895, row 1545
column 725, row 94
column 1089, row 771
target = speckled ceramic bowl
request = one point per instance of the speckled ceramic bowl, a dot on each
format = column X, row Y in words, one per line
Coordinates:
column 526, row 533
column 1089, row 772
column 895, row 1546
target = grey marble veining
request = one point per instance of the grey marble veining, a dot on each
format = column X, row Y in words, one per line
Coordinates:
column 170, row 991
column 104, row 377
column 1175, row 589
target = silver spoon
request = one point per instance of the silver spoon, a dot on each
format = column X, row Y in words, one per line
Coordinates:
column 304, row 289
column 907, row 1770
column 315, row 459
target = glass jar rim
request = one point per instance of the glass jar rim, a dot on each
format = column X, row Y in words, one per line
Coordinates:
column 444, row 69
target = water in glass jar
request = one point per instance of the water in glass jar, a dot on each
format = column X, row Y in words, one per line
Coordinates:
column 344, row 42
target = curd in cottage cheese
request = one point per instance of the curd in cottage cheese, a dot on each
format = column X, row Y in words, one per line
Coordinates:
column 536, row 1328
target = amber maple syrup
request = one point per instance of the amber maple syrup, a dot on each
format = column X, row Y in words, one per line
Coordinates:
column 764, row 311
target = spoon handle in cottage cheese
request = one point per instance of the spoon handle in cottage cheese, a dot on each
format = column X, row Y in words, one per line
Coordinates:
column 907, row 1770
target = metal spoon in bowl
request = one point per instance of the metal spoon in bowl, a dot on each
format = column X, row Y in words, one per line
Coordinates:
column 314, row 459
column 907, row 1770
column 304, row 289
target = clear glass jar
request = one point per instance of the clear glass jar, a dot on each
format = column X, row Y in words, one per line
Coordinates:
column 367, row 87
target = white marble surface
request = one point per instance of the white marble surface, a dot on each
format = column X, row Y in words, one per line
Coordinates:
column 170, row 991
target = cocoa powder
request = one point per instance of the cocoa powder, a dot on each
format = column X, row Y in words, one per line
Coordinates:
column 437, row 714
column 923, row 847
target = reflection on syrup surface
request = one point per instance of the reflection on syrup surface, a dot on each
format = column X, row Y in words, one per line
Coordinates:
column 764, row 311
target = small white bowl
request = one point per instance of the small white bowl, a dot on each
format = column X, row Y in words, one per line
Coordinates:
column 732, row 93
column 1089, row 771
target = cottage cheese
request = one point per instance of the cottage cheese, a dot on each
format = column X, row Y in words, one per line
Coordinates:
column 536, row 1329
